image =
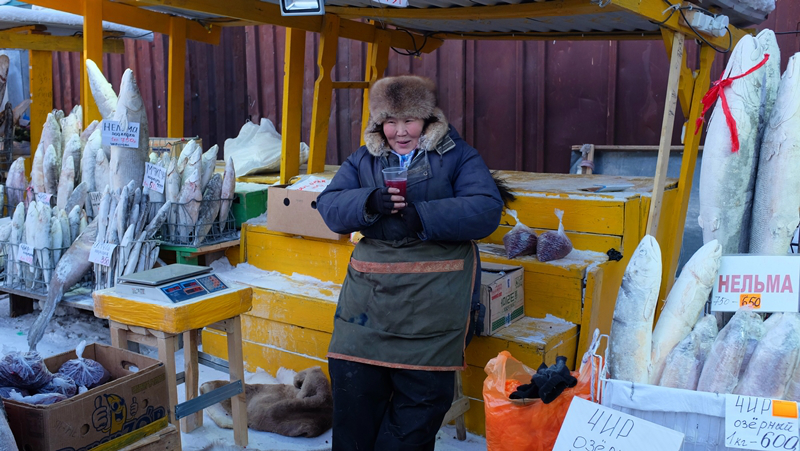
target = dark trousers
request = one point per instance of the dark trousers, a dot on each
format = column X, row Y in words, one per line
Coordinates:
column 387, row 409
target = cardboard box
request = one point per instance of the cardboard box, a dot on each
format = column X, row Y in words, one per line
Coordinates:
column 502, row 295
column 295, row 212
column 129, row 401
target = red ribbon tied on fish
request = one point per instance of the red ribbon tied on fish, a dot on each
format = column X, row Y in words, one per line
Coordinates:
column 718, row 91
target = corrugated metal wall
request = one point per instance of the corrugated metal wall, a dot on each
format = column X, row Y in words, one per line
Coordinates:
column 521, row 104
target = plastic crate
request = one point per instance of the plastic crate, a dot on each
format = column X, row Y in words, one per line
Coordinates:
column 248, row 204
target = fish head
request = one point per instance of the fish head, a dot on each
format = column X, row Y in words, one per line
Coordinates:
column 704, row 264
column 130, row 100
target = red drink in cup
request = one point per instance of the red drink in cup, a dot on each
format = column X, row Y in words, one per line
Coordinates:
column 396, row 178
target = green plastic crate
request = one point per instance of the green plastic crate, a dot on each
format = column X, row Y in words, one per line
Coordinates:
column 249, row 204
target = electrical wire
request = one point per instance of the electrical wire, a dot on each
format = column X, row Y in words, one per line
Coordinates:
column 417, row 50
column 680, row 9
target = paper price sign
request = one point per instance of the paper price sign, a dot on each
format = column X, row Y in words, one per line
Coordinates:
column 154, row 177
column 43, row 198
column 760, row 423
column 95, row 197
column 592, row 427
column 101, row 253
column 765, row 284
column 114, row 135
column 25, row 254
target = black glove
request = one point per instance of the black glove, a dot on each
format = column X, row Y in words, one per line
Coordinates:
column 410, row 216
column 380, row 201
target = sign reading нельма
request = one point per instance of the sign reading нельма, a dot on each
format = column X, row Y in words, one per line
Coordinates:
column 760, row 423
column 114, row 135
column 592, row 427
column 763, row 283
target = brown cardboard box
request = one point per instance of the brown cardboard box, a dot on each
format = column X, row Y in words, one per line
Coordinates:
column 295, row 212
column 129, row 401
column 502, row 295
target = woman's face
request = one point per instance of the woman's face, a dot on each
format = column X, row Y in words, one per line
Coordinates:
column 403, row 133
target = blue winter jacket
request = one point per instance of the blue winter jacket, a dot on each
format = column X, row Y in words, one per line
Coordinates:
column 450, row 186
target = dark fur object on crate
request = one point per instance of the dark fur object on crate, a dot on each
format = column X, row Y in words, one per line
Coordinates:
column 304, row 409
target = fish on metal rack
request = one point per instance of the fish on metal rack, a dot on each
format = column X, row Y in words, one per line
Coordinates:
column 684, row 304
column 74, row 220
column 172, row 191
column 78, row 196
column 183, row 157
column 17, row 237
column 209, row 163
column 66, row 183
column 632, row 325
column 127, row 164
column 776, row 213
column 37, row 169
column 42, row 243
column 189, row 206
column 89, row 160
column 727, row 178
column 66, row 231
column 72, row 125
column 228, row 188
column 52, row 170
column 192, row 164
column 51, row 134
column 102, row 215
column 209, row 209
column 773, row 361
column 69, row 270
column 84, row 222
column 16, row 182
column 721, row 371
column 685, row 362
column 102, row 171
column 55, row 239
column 103, row 93
column 73, row 147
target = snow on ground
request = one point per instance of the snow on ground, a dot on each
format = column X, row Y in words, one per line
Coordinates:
column 69, row 326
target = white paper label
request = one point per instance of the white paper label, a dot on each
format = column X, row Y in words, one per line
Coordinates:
column 760, row 423
column 592, row 427
column 765, row 284
column 101, row 253
column 113, row 135
column 43, row 198
column 96, row 197
column 25, row 254
column 154, row 177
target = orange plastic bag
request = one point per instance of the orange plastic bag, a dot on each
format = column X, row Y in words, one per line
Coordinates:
column 530, row 427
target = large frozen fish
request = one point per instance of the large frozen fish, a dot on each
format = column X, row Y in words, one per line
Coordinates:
column 17, row 237
column 188, row 206
column 42, row 242
column 209, row 209
column 52, row 170
column 774, row 360
column 72, row 125
column 183, row 157
column 127, row 164
column 772, row 77
column 74, row 221
column 73, row 147
column 16, row 182
column 66, row 183
column 721, row 370
column 55, row 239
column 727, row 178
column 66, row 232
column 51, row 134
column 172, row 191
column 684, row 304
column 228, row 188
column 87, row 132
column 209, row 163
column 102, row 171
column 69, row 270
column 193, row 164
column 89, row 161
column 103, row 93
column 102, row 215
column 632, row 325
column 686, row 360
column 776, row 214
column 78, row 196
column 37, row 170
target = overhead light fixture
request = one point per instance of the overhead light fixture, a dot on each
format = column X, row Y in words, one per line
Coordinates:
column 302, row 7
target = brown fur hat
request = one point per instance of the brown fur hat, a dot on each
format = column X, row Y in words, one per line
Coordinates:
column 399, row 97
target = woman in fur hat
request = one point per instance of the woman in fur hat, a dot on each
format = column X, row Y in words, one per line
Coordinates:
column 402, row 320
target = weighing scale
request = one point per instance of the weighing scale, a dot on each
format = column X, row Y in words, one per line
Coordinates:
column 172, row 283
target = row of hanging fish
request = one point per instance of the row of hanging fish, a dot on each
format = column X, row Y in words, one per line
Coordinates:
column 198, row 194
column 746, row 194
column 49, row 231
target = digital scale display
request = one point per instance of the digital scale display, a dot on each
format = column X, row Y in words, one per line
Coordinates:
column 192, row 288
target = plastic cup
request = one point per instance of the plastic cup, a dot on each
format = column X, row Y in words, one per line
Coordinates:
column 396, row 178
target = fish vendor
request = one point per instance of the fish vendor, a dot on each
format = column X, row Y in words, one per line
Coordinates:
column 403, row 318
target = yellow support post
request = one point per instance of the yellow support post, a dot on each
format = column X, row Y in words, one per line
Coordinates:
column 323, row 92
column 292, row 103
column 377, row 60
column 41, row 79
column 92, row 49
column 177, row 75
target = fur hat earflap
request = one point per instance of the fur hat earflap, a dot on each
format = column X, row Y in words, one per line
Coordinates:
column 401, row 97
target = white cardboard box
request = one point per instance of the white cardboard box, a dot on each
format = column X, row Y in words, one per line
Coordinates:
column 502, row 295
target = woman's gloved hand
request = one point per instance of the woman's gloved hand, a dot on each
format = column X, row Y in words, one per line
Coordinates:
column 411, row 217
column 383, row 202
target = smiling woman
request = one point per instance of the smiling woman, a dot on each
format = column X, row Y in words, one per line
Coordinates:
column 403, row 134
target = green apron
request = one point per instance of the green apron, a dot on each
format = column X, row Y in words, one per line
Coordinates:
column 405, row 304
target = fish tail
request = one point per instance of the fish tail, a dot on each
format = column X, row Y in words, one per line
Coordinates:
column 54, row 296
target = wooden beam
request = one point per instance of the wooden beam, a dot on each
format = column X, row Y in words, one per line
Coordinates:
column 92, row 49
column 629, row 148
column 377, row 60
column 256, row 11
column 323, row 93
column 48, row 43
column 687, row 79
column 292, row 103
column 350, row 84
column 236, row 373
column 552, row 36
column 516, row 11
column 136, row 17
column 667, row 124
column 176, row 77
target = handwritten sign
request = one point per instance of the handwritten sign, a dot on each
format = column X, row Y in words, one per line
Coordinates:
column 592, row 427
column 397, row 3
column 25, row 254
column 154, row 177
column 96, row 197
column 101, row 253
column 114, row 135
column 760, row 423
column 43, row 198
column 766, row 284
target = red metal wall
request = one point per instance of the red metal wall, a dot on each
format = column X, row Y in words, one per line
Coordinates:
column 521, row 104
